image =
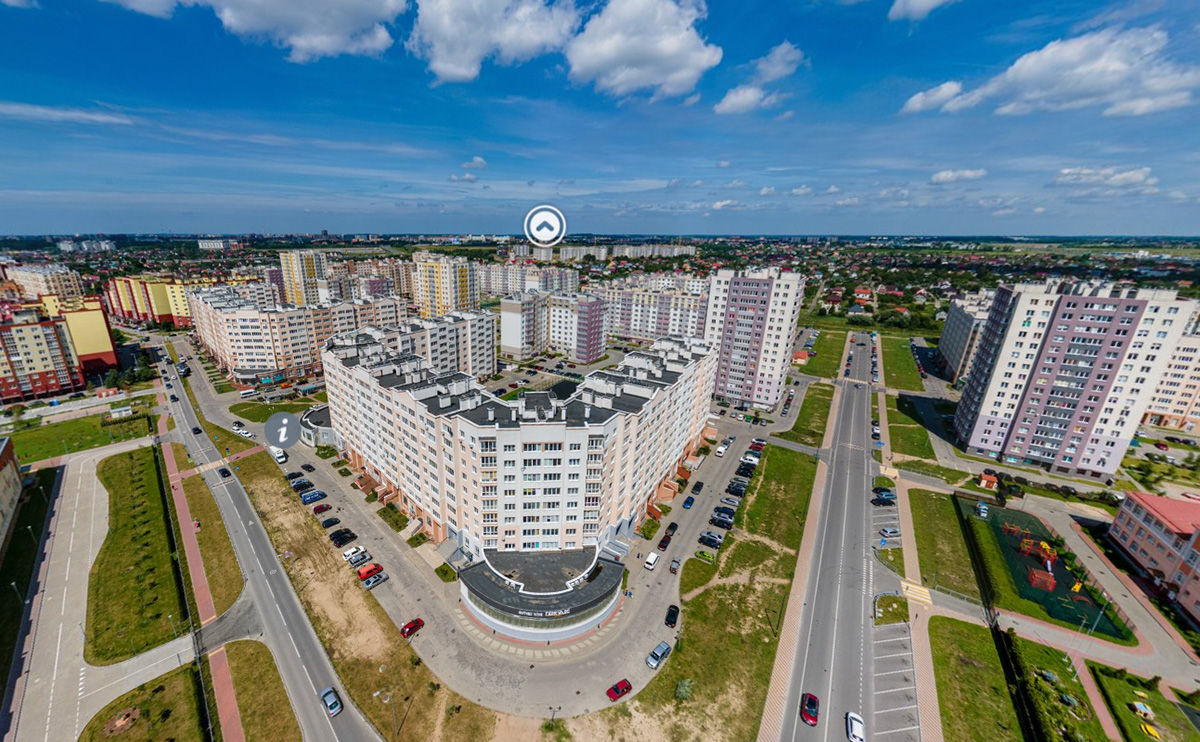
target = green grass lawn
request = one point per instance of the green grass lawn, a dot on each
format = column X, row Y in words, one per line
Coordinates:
column 19, row 561
column 322, row 397
column 809, row 428
column 133, row 586
column 920, row 466
column 893, row 559
column 899, row 368
column 941, row 549
column 695, row 573
column 972, row 691
column 257, row 412
column 828, row 359
column 220, row 563
column 222, row 387
column 1120, row 695
column 1081, row 720
column 80, row 434
column 891, row 609
column 910, row 440
column 262, row 701
column 168, row 708
column 778, row 501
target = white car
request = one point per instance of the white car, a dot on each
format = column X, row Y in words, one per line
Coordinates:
column 856, row 729
column 352, row 552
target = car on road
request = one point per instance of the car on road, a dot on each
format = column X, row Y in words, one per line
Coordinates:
column 731, row 502
column 672, row 528
column 856, row 728
column 349, row 554
column 224, row 473
column 174, row 398
column 697, row 488
column 245, row 433
column 331, row 522
column 889, row 532
column 371, row 582
column 706, row 556
column 196, row 431
column 322, row 508
column 809, row 709
column 331, row 702
column 664, row 542
column 672, row 616
column 1162, row 446
column 168, row 385
column 619, row 690
column 411, row 627
column 687, row 503
column 721, row 449
column 658, row 655
column 674, row 566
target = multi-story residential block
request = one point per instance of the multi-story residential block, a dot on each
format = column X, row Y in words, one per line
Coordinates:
column 216, row 244
column 543, row 254
column 273, row 275
column 10, row 489
column 159, row 298
column 1064, row 371
column 599, row 253
column 961, row 331
column 301, row 271
column 444, row 284
column 363, row 276
column 458, row 341
column 641, row 309
column 37, row 357
column 532, row 322
column 87, row 322
column 45, row 278
column 652, row 251
column 529, row 489
column 1176, row 400
column 501, row 279
column 1160, row 535
column 751, row 321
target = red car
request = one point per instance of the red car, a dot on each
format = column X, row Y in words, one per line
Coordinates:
column 322, row 508
column 411, row 627
column 570, row 365
column 619, row 690
column 513, row 386
column 1162, row 446
column 808, row 709
column 757, row 447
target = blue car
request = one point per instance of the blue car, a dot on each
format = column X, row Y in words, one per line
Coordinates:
column 688, row 502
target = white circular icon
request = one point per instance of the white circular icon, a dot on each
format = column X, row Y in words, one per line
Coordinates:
column 545, row 226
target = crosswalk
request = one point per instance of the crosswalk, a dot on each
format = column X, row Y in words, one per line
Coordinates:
column 916, row 593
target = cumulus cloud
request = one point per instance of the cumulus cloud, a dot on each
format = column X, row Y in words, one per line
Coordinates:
column 833, row 189
column 634, row 45
column 736, row 184
column 30, row 112
column 464, row 178
column 782, row 61
column 766, row 191
column 1124, row 72
column 850, row 201
column 455, row 36
column 19, row 3
column 943, row 177
column 309, row 29
column 801, row 191
column 1107, row 181
column 915, row 10
column 723, row 163
column 745, row 98
column 475, row 163
column 717, row 206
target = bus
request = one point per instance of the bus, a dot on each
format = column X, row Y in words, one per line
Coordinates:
column 248, row 393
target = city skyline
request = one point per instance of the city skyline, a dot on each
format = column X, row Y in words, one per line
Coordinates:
column 886, row 116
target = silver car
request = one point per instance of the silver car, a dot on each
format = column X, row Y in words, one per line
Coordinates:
column 333, row 704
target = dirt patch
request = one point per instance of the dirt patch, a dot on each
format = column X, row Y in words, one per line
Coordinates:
column 516, row 729
column 625, row 723
column 121, row 722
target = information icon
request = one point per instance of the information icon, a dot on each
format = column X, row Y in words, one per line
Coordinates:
column 282, row 430
column 545, row 226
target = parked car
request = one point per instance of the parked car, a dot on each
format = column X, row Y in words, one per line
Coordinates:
column 720, row 522
column 672, row 528
column 658, row 655
column 298, row 483
column 322, row 508
column 174, row 398
column 1162, row 446
column 731, row 502
column 728, row 512
column 344, row 539
column 308, row 468
column 371, row 582
column 664, row 542
column 697, row 488
column 672, row 616
column 292, row 475
column 349, row 554
column 889, row 532
column 331, row 702
column 711, row 543
column 411, row 627
column 706, row 556
column 619, row 690
column 719, row 537
column 880, row 490
column 687, row 503
column 882, row 502
column 339, row 532
column 331, row 522
column 674, row 566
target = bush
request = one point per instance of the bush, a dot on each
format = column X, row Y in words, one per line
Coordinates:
column 664, row 509
column 397, row 520
column 344, row 472
column 703, row 451
column 446, row 572
column 649, row 528
column 683, row 690
column 326, row 452
column 417, row 539
column 372, row 497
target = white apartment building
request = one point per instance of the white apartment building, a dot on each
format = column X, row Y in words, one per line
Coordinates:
column 652, row 251
column 215, row 244
column 458, row 341
column 654, row 306
column 444, row 284
column 961, row 331
column 532, row 322
column 39, row 279
column 1064, row 372
column 500, row 279
column 1176, row 400
column 751, row 321
column 543, row 254
column 599, row 253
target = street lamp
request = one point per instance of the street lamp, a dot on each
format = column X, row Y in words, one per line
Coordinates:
column 554, row 710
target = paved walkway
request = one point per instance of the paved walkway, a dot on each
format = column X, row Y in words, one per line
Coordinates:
column 222, row 678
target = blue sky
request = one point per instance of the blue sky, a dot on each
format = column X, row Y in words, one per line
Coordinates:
column 755, row 116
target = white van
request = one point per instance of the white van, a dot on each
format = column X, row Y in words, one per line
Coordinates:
column 652, row 560
column 279, row 454
column 721, row 449
column 248, row 393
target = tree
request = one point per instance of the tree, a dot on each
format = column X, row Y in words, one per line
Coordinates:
column 112, row 379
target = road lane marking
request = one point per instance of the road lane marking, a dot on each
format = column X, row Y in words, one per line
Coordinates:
column 902, row 729
column 916, row 592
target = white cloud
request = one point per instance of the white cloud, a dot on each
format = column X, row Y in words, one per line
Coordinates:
column 736, row 184
column 833, row 189
column 310, row 29
column 1004, row 212
column 723, row 163
column 953, row 176
column 745, row 98
column 1107, row 181
column 785, row 115
column 932, row 98
column 915, row 10
column 1178, row 196
column 780, row 62
column 464, row 178
column 633, row 45
column 1039, row 210
column 851, row 201
column 724, row 204
column 30, row 112
column 455, row 36
column 475, row 163
column 19, row 3
column 801, row 191
column 767, row 191
column 692, row 99
column 1125, row 72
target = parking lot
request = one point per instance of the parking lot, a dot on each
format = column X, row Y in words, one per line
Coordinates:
column 546, row 373
column 895, row 697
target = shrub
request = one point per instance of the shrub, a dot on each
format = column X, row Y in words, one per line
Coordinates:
column 372, row 497
column 703, row 451
column 417, row 539
column 683, row 690
column 649, row 528
column 344, row 472
column 326, row 452
column 446, row 572
column 664, row 509
column 397, row 520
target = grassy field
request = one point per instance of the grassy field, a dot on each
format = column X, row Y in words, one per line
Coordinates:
column 812, row 417
column 220, row 563
column 1120, row 695
column 893, row 559
column 907, row 438
column 778, row 501
column 972, row 692
column 943, row 552
column 168, row 708
column 257, row 412
column 899, row 368
column 950, row 476
column 19, row 561
column 322, row 397
column 891, row 609
column 366, row 647
column 133, row 586
column 828, row 360
column 262, row 701
column 1082, row 720
column 80, row 434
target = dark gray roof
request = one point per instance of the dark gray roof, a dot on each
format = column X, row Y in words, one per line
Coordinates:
column 543, row 573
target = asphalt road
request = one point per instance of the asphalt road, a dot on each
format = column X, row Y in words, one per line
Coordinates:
column 833, row 657
column 303, row 664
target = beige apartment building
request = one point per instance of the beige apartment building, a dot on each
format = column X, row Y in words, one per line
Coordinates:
column 45, row 278
column 444, row 284
column 37, row 357
column 301, row 271
column 1176, row 400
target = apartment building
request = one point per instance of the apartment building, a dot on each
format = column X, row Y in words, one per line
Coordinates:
column 37, row 357
column 1064, row 372
column 645, row 308
column 159, row 298
column 10, row 490
column 1176, row 400
column 751, row 320
column 543, row 254
column 532, row 322
column 444, row 284
column 1160, row 535
column 598, row 253
column 961, row 331
column 273, row 275
column 87, row 323
column 301, row 271
column 216, row 244
column 652, row 251
column 458, row 341
column 37, row 279
column 363, row 277
column 501, row 279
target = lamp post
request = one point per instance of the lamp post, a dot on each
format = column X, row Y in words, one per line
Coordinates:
column 554, row 710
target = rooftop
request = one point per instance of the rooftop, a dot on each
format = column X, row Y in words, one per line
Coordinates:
column 539, row 584
column 1180, row 516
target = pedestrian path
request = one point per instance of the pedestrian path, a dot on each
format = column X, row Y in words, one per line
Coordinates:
column 915, row 593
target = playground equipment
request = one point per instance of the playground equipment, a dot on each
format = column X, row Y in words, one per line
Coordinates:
column 1042, row 579
column 1011, row 529
column 1040, row 549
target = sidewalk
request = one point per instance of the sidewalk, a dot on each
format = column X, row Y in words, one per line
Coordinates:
column 222, row 679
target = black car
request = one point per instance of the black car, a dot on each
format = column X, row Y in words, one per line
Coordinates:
column 292, row 475
column 672, row 615
column 302, row 488
column 880, row 502
column 341, row 541
column 339, row 532
column 174, row 398
column 745, row 471
column 877, row 490
column 224, row 473
column 196, row 431
column 308, row 468
column 710, row 542
column 721, row 522
column 697, row 488
column 300, row 483
column 723, row 511
column 672, row 528
column 330, row 522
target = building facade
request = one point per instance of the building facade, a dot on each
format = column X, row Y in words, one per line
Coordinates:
column 751, row 321
column 444, row 284
column 301, row 271
column 533, row 322
column 38, row 279
column 598, row 253
column 1160, row 535
column 10, row 489
column 645, row 309
column 159, row 298
column 501, row 279
column 91, row 334
column 37, row 357
column 961, row 331
column 1176, row 400
column 216, row 244
column 1064, row 371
